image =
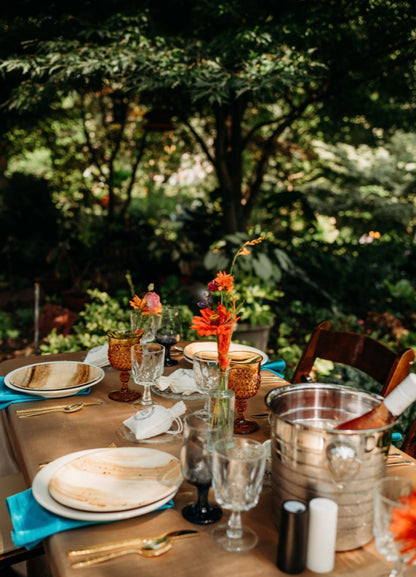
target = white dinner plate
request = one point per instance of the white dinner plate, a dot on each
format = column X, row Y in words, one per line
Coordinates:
column 40, row 489
column 198, row 346
column 70, row 380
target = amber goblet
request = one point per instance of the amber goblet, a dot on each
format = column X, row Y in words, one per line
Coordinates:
column 244, row 379
column 119, row 346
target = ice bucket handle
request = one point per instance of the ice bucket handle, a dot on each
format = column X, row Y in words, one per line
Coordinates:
column 342, row 460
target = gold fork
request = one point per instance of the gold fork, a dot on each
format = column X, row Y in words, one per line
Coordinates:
column 142, row 551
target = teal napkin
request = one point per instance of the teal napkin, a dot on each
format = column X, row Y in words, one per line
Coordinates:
column 277, row 367
column 9, row 396
column 32, row 523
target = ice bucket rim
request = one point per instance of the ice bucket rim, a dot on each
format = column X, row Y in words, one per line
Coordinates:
column 279, row 391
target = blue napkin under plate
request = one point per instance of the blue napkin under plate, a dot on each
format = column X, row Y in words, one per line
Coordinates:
column 32, row 523
column 9, row 396
column 277, row 367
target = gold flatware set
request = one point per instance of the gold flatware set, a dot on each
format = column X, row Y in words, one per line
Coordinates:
column 72, row 408
column 144, row 546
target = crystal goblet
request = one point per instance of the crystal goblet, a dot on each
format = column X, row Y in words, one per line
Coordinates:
column 244, row 379
column 119, row 345
column 237, row 478
column 147, row 364
column 196, row 463
column 387, row 494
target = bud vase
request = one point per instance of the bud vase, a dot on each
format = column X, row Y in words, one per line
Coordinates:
column 221, row 408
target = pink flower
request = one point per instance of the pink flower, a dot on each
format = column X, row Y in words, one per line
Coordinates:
column 153, row 303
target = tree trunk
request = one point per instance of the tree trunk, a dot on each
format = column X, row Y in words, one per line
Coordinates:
column 228, row 164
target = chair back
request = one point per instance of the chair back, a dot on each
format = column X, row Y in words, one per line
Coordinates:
column 360, row 351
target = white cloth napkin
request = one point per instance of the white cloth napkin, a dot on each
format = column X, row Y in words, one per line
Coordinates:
column 180, row 381
column 98, row 356
column 155, row 420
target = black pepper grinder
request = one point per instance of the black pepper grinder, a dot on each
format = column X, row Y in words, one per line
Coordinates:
column 293, row 537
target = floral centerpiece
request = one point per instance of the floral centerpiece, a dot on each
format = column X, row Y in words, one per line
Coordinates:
column 403, row 526
column 219, row 311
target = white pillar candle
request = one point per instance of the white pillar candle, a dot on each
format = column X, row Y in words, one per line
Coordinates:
column 322, row 533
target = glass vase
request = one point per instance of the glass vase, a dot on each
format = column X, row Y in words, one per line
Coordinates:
column 221, row 409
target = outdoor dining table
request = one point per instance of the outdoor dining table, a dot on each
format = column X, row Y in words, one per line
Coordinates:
column 41, row 439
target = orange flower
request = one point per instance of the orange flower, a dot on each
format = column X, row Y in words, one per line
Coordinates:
column 210, row 321
column 225, row 282
column 403, row 525
column 138, row 303
column 219, row 323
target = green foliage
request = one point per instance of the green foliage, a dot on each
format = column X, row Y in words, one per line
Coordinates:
column 100, row 316
column 7, row 329
column 403, row 292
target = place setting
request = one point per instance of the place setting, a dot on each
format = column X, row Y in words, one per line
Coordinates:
column 93, row 486
column 48, row 380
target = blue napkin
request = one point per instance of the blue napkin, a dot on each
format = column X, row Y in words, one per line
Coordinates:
column 9, row 396
column 277, row 367
column 32, row 523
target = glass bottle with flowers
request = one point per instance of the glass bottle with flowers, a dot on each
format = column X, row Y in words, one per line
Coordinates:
column 145, row 314
column 219, row 318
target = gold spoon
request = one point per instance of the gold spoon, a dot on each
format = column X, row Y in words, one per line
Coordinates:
column 62, row 408
column 148, row 550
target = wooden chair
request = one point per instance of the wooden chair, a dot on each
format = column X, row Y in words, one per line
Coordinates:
column 356, row 350
column 409, row 443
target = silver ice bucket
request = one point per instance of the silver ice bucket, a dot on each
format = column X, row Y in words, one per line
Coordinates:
column 311, row 459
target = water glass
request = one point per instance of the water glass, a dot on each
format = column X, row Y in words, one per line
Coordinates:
column 387, row 494
column 237, row 478
column 168, row 332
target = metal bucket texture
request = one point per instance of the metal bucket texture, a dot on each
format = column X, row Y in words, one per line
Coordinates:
column 310, row 459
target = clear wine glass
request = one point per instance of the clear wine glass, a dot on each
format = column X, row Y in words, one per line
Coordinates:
column 237, row 478
column 387, row 493
column 147, row 365
column 196, row 463
column 168, row 331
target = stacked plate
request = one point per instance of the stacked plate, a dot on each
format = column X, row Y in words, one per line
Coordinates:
column 55, row 379
column 198, row 346
column 108, row 484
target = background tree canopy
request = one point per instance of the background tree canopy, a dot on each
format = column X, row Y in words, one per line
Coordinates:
column 243, row 81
